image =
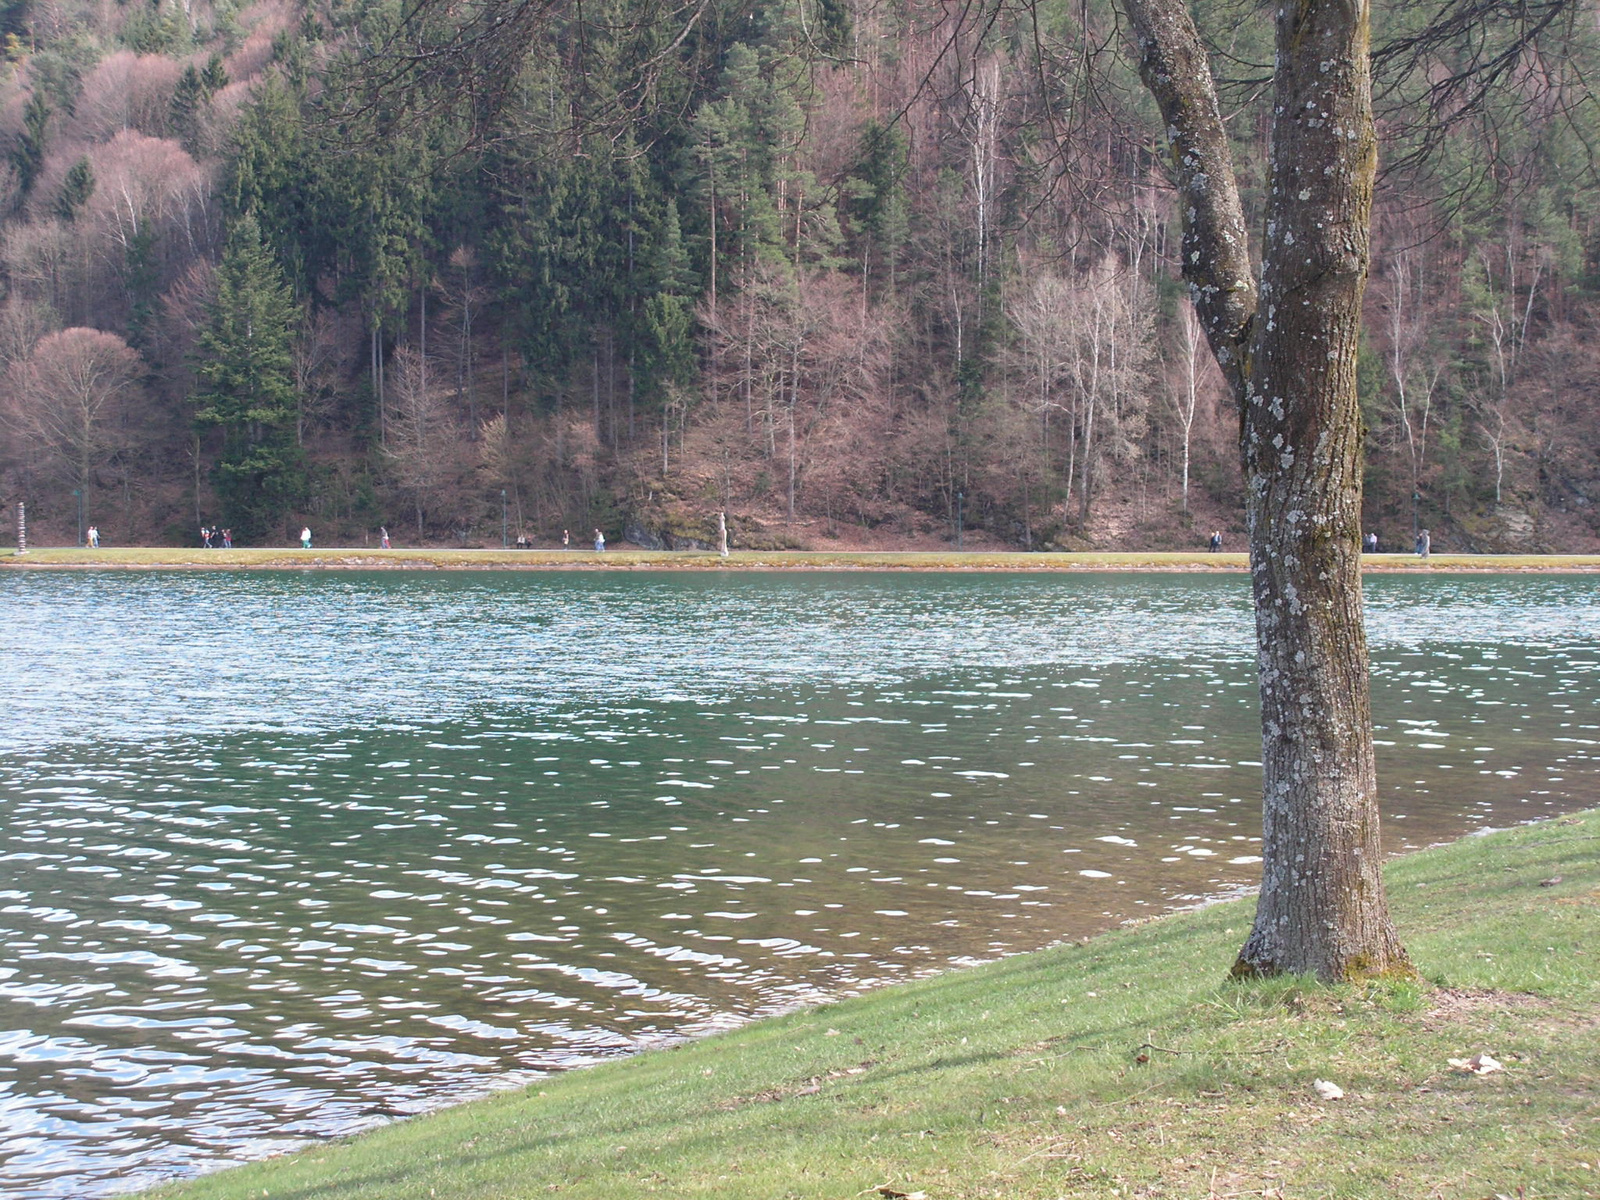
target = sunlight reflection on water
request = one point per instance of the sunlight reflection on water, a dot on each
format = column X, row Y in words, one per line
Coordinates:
column 287, row 855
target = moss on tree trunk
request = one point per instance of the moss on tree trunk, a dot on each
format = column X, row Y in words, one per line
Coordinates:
column 1289, row 350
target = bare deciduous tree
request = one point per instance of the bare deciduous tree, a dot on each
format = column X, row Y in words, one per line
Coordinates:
column 126, row 91
column 1414, row 367
column 1184, row 397
column 1113, row 345
column 316, row 358
column 1084, row 347
column 73, row 402
column 463, row 295
column 980, row 129
column 39, row 262
column 1504, row 318
column 146, row 184
column 1043, row 355
column 22, row 325
column 421, row 432
column 797, row 351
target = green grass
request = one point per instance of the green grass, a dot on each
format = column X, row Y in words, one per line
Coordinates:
column 1022, row 1079
column 910, row 560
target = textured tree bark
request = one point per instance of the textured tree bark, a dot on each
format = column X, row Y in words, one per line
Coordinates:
column 1289, row 352
column 1216, row 244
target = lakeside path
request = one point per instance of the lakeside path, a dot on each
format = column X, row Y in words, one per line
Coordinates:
column 357, row 558
column 1125, row 1065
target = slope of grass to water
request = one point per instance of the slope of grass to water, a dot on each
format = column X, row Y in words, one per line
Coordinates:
column 1124, row 1066
column 291, row 558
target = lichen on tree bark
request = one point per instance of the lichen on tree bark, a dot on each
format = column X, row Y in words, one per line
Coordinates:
column 1288, row 348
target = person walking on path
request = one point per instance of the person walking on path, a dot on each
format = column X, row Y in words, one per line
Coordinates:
column 305, row 537
column 94, row 537
column 566, row 539
column 227, row 539
column 1216, row 540
column 205, row 536
column 383, row 536
column 599, row 540
column 1424, row 544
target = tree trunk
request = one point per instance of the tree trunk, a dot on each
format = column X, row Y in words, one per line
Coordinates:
column 1191, row 395
column 1291, row 358
column 794, row 399
column 377, row 346
column 1322, row 908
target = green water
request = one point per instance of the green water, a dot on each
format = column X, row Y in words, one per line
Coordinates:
column 283, row 855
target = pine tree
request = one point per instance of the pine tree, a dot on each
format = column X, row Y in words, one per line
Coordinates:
column 188, row 97
column 76, row 188
column 835, row 26
column 881, row 207
column 547, row 250
column 27, row 156
column 267, row 175
column 215, row 76
column 141, row 278
column 667, row 345
column 158, row 29
column 245, row 365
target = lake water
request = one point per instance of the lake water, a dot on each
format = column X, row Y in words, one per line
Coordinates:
column 284, row 855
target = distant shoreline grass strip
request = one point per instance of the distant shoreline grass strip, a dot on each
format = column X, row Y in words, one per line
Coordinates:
column 358, row 558
column 1122, row 1065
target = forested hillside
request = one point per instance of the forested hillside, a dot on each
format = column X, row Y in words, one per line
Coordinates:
column 859, row 272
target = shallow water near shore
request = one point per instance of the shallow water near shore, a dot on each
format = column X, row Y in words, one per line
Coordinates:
column 284, row 855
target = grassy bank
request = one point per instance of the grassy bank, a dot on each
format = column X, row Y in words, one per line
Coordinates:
column 1123, row 1066
column 689, row 560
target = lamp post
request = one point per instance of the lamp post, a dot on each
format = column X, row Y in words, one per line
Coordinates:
column 78, row 495
column 504, row 542
column 960, row 496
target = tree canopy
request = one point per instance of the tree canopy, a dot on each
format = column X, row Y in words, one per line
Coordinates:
column 840, row 270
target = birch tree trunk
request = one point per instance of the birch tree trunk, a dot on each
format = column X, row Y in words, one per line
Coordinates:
column 1289, row 352
column 1187, row 401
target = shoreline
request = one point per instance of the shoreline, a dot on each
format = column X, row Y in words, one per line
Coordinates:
column 362, row 559
column 812, row 1103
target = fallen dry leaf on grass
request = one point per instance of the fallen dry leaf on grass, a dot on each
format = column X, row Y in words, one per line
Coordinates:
column 1478, row 1064
column 1328, row 1091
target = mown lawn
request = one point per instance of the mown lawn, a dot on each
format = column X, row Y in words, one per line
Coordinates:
column 1123, row 1066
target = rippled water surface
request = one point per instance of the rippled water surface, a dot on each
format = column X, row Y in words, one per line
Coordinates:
column 286, row 855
